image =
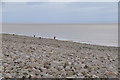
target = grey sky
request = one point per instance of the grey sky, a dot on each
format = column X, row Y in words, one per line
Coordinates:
column 60, row 12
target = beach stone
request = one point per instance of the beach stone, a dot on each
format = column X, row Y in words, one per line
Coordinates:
column 112, row 74
column 79, row 74
column 48, row 58
column 67, row 68
column 43, row 69
column 69, row 73
column 59, row 68
column 47, row 65
column 94, row 76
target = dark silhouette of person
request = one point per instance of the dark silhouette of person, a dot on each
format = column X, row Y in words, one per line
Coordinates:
column 34, row 35
column 54, row 37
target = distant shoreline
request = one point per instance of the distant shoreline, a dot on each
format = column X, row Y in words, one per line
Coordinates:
column 97, row 34
column 59, row 40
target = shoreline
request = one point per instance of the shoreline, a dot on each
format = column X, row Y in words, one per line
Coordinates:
column 62, row 39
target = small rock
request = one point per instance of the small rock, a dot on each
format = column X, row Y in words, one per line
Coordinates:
column 67, row 68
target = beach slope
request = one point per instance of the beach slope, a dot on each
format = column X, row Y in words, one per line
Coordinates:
column 25, row 56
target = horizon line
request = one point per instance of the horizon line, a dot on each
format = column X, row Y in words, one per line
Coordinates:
column 59, row 23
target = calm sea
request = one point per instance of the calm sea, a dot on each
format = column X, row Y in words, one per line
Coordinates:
column 99, row 34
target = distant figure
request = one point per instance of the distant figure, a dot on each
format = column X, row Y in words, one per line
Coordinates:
column 13, row 34
column 39, row 37
column 34, row 35
column 54, row 37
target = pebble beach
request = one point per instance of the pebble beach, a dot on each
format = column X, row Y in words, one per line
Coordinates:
column 25, row 56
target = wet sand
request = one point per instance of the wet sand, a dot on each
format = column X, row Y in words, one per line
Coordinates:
column 25, row 56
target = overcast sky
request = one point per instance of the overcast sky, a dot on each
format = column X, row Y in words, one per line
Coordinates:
column 59, row 12
column 60, row 0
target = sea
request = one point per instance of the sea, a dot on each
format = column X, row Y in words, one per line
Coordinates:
column 97, row 34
